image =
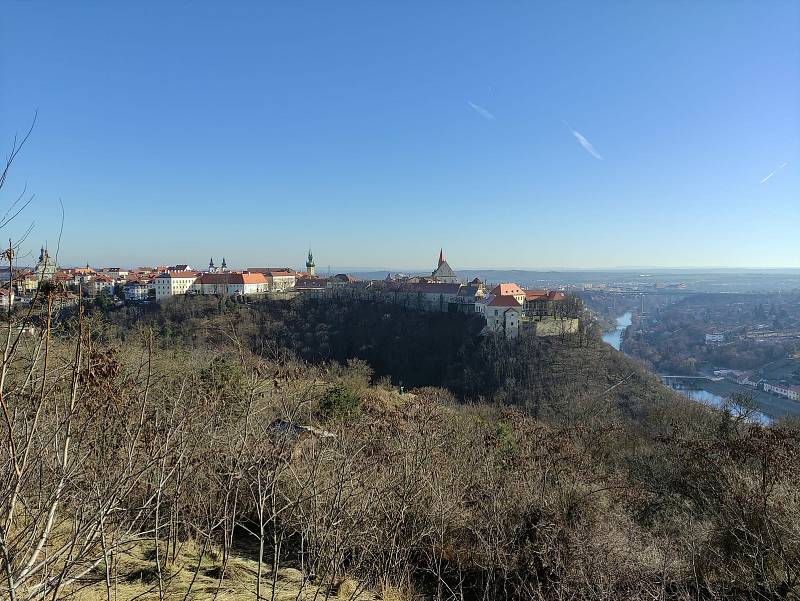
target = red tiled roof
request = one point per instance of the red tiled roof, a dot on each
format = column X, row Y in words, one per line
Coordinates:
column 535, row 294
column 504, row 301
column 232, row 278
column 253, row 278
column 507, row 290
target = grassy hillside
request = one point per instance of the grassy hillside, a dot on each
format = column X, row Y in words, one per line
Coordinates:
column 205, row 454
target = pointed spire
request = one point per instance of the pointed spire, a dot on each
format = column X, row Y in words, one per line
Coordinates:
column 441, row 258
column 310, row 267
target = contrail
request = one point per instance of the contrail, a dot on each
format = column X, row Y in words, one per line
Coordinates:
column 585, row 143
column 481, row 111
column 781, row 166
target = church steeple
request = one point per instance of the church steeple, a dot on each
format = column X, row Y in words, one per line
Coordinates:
column 224, row 264
column 310, row 267
column 441, row 257
column 211, row 267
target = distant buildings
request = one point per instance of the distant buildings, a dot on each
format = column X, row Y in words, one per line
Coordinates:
column 170, row 283
column 511, row 290
column 443, row 273
column 214, row 269
column 311, row 286
column 100, row 285
column 784, row 390
column 230, row 283
column 279, row 279
column 45, row 267
column 137, row 290
column 507, row 309
column 503, row 313
column 311, row 269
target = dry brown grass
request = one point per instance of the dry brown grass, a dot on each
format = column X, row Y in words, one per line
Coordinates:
column 137, row 579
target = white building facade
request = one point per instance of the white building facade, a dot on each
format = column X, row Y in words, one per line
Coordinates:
column 173, row 282
column 790, row 392
column 503, row 315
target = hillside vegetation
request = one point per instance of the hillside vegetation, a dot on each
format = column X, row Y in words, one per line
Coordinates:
column 216, row 449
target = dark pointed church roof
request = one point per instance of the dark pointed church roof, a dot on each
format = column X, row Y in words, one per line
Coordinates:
column 443, row 271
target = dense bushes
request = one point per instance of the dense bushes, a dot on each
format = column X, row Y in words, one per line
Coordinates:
column 542, row 375
column 620, row 493
column 340, row 402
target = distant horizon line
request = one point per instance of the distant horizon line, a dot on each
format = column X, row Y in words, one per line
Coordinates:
column 391, row 270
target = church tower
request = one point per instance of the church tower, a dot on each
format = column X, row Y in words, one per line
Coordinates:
column 46, row 267
column 311, row 269
column 224, row 265
column 211, row 268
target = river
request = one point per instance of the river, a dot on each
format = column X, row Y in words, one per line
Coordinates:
column 614, row 338
column 716, row 401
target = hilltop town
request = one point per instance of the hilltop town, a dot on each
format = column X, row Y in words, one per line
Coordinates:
column 506, row 308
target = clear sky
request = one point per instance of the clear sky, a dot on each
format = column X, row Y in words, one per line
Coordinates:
column 513, row 134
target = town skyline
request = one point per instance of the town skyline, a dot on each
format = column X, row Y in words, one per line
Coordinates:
column 27, row 258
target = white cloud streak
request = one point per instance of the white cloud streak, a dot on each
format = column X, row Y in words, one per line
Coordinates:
column 481, row 111
column 587, row 145
column 781, row 166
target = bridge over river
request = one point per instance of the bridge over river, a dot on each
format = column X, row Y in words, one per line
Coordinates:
column 713, row 390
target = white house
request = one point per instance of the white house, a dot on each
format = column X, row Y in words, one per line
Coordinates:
column 280, row 281
column 137, row 290
column 173, row 282
column 503, row 314
column 100, row 284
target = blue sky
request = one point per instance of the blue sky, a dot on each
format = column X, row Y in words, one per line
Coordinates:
column 380, row 132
